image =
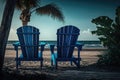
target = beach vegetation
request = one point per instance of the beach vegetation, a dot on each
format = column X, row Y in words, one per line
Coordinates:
column 108, row 31
column 27, row 7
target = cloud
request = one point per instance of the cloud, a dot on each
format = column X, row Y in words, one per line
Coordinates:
column 86, row 31
column 12, row 34
column 87, row 35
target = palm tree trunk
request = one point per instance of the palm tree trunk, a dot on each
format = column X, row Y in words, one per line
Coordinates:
column 24, row 23
column 5, row 28
column 25, row 17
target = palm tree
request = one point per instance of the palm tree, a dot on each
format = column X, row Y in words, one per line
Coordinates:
column 29, row 6
column 5, row 28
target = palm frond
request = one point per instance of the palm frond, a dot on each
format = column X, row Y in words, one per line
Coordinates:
column 51, row 10
column 34, row 3
column 20, row 4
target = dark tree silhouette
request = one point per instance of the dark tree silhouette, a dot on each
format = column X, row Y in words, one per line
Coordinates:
column 109, row 34
column 5, row 28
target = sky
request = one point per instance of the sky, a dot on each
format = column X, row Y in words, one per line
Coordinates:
column 78, row 13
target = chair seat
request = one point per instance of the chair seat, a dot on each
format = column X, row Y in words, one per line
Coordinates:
column 21, row 58
column 54, row 56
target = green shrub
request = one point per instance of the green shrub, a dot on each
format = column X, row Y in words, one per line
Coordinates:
column 108, row 31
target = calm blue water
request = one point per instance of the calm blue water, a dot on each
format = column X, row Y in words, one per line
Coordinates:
column 86, row 43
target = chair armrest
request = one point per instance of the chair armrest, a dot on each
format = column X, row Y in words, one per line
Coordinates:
column 16, row 45
column 42, row 45
column 79, row 46
column 52, row 48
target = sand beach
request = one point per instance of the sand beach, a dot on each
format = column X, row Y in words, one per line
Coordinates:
column 88, row 70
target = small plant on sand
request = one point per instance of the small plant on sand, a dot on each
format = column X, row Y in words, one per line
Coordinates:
column 108, row 31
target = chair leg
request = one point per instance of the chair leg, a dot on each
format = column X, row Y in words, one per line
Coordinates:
column 71, row 63
column 78, row 63
column 51, row 62
column 41, row 63
column 19, row 62
column 17, row 65
column 56, row 64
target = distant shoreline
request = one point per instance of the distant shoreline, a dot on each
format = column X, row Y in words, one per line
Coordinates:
column 88, row 45
column 83, row 49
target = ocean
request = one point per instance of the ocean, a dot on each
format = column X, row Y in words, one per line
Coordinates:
column 87, row 44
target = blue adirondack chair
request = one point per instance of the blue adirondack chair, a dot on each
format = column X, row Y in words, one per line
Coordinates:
column 66, row 42
column 29, row 42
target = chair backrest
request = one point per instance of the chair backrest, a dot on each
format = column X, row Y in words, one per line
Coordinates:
column 66, row 40
column 29, row 41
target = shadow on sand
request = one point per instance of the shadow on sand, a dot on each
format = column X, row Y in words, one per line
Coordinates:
column 90, row 72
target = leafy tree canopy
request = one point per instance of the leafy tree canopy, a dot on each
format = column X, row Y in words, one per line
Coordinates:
column 108, row 31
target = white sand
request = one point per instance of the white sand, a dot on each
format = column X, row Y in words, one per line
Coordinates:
column 88, row 57
column 65, row 70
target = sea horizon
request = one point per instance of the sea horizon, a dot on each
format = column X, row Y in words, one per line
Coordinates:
column 87, row 44
column 84, row 42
